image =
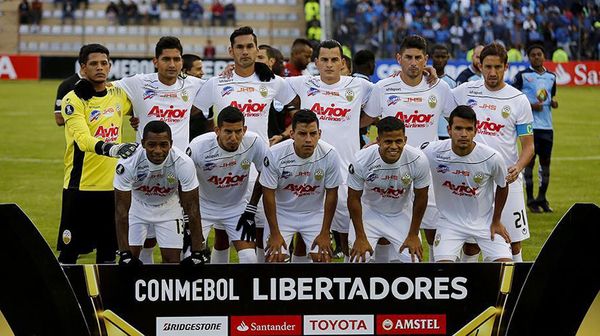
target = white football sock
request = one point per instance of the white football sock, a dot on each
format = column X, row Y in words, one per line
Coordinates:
column 260, row 255
column 382, row 253
column 247, row 256
column 219, row 256
column 147, row 255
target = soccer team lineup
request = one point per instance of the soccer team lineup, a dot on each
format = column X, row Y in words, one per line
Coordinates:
column 284, row 166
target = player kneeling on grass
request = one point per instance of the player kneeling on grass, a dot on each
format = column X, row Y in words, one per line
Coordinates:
column 388, row 175
column 300, row 183
column 469, row 179
column 149, row 188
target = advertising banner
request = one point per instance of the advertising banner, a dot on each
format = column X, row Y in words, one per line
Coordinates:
column 19, row 67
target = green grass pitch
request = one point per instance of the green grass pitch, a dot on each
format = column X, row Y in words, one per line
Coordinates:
column 31, row 160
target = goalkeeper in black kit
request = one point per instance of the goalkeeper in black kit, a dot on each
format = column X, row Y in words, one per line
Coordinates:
column 93, row 117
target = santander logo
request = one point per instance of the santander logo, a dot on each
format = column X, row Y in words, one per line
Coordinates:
column 281, row 325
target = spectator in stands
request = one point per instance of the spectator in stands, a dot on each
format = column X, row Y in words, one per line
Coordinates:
column 36, row 14
column 132, row 12
column 68, row 11
column 209, row 50
column 154, row 12
column 217, row 12
column 560, row 56
column 143, row 11
column 185, row 12
column 24, row 12
column 196, row 13
column 122, row 13
column 112, row 12
column 229, row 12
column 300, row 58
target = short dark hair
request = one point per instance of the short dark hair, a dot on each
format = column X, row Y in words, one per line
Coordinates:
column 268, row 49
column 188, row 61
column 414, row 41
column 494, row 49
column 390, row 124
column 157, row 126
column 230, row 114
column 348, row 62
column 87, row 49
column 167, row 42
column 463, row 112
column 535, row 46
column 440, row 47
column 330, row 44
column 246, row 30
column 304, row 116
column 278, row 67
column 300, row 42
column 363, row 57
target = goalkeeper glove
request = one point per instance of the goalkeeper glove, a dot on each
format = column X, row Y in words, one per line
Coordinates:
column 123, row 150
column 197, row 258
column 127, row 259
column 247, row 223
column 263, row 72
column 84, row 89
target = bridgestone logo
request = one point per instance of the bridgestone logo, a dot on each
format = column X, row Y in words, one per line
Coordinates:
column 191, row 326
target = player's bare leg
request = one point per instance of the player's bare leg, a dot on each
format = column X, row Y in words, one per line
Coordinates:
column 170, row 255
column 430, row 238
column 260, row 245
column 344, row 241
column 470, row 253
column 135, row 250
column 516, row 251
column 147, row 252
column 299, row 250
column 246, row 251
column 220, row 252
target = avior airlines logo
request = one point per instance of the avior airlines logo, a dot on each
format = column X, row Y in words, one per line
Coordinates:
column 250, row 109
column 420, row 324
column 169, row 114
column 339, row 325
column 265, row 325
column 488, row 127
column 330, row 112
column 416, row 119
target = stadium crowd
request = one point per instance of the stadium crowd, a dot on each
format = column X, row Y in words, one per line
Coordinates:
column 380, row 25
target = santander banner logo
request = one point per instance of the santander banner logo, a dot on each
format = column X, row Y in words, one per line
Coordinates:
column 415, row 324
column 265, row 325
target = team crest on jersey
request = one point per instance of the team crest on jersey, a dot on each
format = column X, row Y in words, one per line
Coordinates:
column 69, row 109
column 505, row 111
column 542, row 95
column 478, row 177
column 319, row 174
column 432, row 101
column 120, row 169
column 472, row 102
column 312, row 91
column 438, row 237
column 66, row 237
column 184, row 95
column 406, row 179
column 349, row 95
column 263, row 90
column 226, row 90
column 149, row 94
column 171, row 179
column 266, row 162
column 392, row 100
column 95, row 115
column 351, row 169
column 245, row 164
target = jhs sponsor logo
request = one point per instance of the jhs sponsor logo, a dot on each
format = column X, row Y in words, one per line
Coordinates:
column 192, row 325
column 429, row 324
column 301, row 189
column 228, row 181
column 416, row 119
column 169, row 115
column 250, row 109
column 461, row 190
column 108, row 134
column 265, row 325
column 487, row 107
column 488, row 128
column 338, row 325
column 331, row 112
column 156, row 190
column 389, row 192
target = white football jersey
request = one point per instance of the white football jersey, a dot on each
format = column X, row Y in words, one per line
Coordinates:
column 502, row 116
column 420, row 107
column 152, row 100
column 249, row 95
column 300, row 183
column 223, row 175
column 388, row 188
column 338, row 108
column 465, row 185
column 155, row 188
